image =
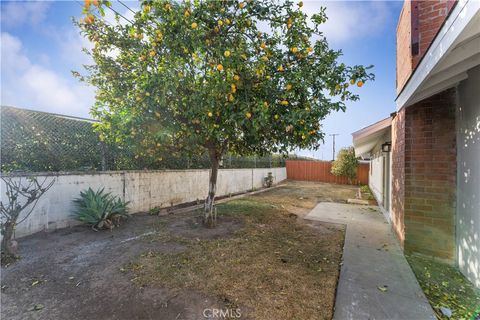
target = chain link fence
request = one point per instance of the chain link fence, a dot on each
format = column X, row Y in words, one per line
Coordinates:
column 36, row 141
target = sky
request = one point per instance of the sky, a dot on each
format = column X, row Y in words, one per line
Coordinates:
column 40, row 47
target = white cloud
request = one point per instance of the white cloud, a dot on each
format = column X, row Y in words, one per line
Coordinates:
column 30, row 85
column 17, row 13
column 351, row 20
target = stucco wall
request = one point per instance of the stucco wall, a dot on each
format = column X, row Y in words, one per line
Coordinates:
column 144, row 190
column 468, row 177
column 375, row 181
column 377, row 174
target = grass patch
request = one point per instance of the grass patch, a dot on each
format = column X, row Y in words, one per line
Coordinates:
column 444, row 286
column 366, row 192
column 273, row 267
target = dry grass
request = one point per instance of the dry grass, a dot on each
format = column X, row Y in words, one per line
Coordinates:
column 273, row 267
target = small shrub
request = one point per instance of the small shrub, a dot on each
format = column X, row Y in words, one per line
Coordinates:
column 364, row 189
column 366, row 192
column 100, row 210
column 346, row 164
column 155, row 211
column 268, row 180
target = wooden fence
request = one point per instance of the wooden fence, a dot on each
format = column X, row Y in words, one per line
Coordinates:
column 321, row 171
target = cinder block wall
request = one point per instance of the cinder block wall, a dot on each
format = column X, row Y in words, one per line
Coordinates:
column 143, row 189
column 430, row 176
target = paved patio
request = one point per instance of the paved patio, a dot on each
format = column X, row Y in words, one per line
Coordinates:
column 376, row 281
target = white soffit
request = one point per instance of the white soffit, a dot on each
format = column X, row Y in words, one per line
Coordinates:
column 364, row 140
column 455, row 50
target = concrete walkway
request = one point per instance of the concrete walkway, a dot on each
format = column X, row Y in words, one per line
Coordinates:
column 376, row 281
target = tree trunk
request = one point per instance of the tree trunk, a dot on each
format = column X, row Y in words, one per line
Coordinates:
column 8, row 246
column 210, row 217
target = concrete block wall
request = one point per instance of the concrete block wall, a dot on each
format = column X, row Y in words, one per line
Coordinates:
column 144, row 190
column 430, row 176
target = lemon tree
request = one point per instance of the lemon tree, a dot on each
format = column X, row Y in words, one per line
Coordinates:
column 214, row 77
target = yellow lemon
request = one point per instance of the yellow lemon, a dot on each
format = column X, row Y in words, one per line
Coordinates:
column 242, row 5
column 187, row 13
column 194, row 25
column 210, row 114
column 219, row 67
column 265, row 58
column 146, row 9
column 284, row 103
column 360, row 83
column 227, row 53
column 300, row 4
column 89, row 19
column 227, row 21
column 236, row 77
column 303, row 137
column 338, row 87
column 248, row 115
column 157, row 114
column 220, row 23
column 231, row 97
column 263, row 45
column 289, row 87
column 276, row 117
column 352, row 81
column 265, row 104
column 280, row 68
column 309, row 49
column 233, row 87
column 294, row 49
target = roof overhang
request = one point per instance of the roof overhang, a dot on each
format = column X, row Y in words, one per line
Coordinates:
column 364, row 140
column 455, row 50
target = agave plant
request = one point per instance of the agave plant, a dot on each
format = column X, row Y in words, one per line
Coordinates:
column 99, row 209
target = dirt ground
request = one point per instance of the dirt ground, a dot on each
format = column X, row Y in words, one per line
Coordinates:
column 135, row 271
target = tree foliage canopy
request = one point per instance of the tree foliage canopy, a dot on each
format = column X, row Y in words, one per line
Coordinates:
column 224, row 76
column 346, row 163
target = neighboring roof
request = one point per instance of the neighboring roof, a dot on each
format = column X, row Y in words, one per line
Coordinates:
column 454, row 51
column 365, row 139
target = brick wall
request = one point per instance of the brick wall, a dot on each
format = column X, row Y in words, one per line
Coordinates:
column 430, row 17
column 418, row 24
column 404, row 49
column 398, row 175
column 430, row 176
